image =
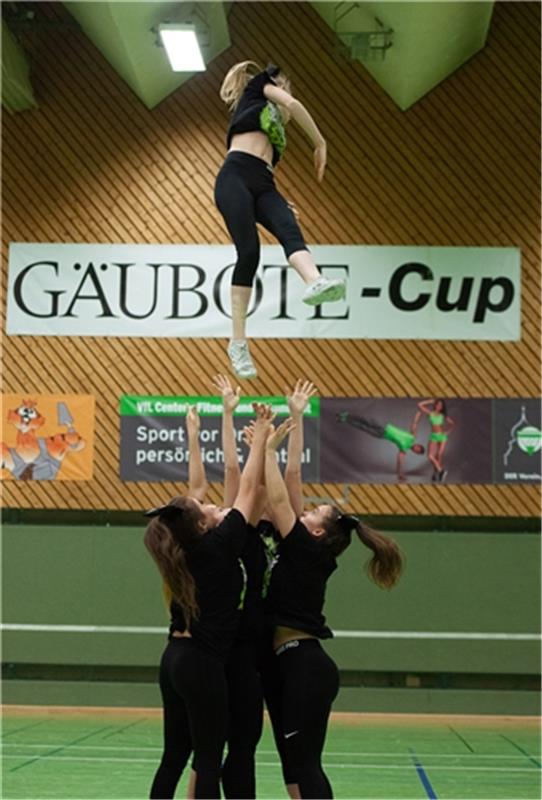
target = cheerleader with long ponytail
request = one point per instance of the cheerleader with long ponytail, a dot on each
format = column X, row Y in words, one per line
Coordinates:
column 301, row 680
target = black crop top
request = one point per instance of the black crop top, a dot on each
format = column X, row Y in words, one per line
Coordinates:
column 298, row 583
column 255, row 112
column 214, row 562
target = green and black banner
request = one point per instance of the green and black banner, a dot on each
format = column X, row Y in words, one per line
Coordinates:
column 349, row 439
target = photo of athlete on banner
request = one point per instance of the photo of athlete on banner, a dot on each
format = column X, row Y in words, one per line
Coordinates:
column 413, row 440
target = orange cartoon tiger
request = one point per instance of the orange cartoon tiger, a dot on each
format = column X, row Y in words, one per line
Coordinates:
column 33, row 457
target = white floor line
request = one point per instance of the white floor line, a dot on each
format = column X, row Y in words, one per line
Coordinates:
column 275, row 764
column 327, row 754
column 475, row 635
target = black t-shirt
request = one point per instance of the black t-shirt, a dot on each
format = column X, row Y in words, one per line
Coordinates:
column 257, row 558
column 215, row 565
column 255, row 112
column 298, row 583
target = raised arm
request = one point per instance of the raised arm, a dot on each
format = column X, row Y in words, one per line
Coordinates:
column 299, row 114
column 425, row 406
column 197, row 481
column 279, row 502
column 232, row 471
column 259, row 510
column 252, row 475
column 297, row 402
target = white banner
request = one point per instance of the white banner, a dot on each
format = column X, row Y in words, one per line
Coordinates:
column 182, row 291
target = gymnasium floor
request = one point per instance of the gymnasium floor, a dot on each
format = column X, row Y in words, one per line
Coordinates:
column 104, row 753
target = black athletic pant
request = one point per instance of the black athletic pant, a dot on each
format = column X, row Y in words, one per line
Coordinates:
column 245, row 721
column 368, row 425
column 195, row 700
column 245, row 193
column 300, row 686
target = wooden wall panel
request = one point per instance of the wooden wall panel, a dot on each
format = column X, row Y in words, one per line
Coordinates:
column 460, row 167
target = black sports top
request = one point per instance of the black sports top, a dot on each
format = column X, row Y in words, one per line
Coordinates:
column 298, row 583
column 257, row 558
column 215, row 565
column 255, row 112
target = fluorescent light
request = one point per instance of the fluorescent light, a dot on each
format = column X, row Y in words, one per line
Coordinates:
column 182, row 47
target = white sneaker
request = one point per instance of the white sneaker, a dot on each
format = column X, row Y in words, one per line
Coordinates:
column 324, row 290
column 241, row 361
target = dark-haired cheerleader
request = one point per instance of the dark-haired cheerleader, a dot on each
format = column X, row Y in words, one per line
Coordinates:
column 196, row 548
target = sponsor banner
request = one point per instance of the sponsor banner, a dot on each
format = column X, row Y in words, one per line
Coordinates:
column 154, row 443
column 517, row 441
column 183, row 291
column 390, row 440
column 349, row 440
column 47, row 437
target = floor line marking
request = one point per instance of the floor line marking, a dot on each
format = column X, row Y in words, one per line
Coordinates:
column 276, row 765
column 58, row 749
column 328, row 754
column 521, row 750
column 125, row 728
column 424, row 778
column 467, row 745
column 25, row 728
column 339, row 634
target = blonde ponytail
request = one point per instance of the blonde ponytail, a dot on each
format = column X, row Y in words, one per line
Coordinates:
column 235, row 81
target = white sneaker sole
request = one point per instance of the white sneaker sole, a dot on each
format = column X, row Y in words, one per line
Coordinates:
column 246, row 374
column 329, row 295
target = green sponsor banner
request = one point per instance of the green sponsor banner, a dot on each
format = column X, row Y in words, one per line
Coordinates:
column 207, row 406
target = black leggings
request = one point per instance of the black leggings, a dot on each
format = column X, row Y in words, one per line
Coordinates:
column 245, row 193
column 245, row 721
column 301, row 681
column 368, row 425
column 195, row 699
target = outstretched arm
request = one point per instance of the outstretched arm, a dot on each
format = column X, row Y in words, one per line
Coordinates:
column 415, row 421
column 232, row 472
column 299, row 114
column 197, row 481
column 279, row 501
column 297, row 402
column 252, row 475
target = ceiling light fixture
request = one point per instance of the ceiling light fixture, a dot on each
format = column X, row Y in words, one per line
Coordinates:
column 182, row 46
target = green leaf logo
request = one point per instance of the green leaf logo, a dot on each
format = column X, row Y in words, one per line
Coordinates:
column 529, row 439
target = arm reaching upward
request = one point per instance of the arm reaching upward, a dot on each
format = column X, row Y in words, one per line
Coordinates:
column 197, row 481
column 252, row 475
column 426, row 405
column 232, row 472
column 277, row 493
column 297, row 402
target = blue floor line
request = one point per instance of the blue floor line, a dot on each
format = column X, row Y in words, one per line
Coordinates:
column 422, row 775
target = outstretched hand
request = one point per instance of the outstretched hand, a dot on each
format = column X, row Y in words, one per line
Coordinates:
column 260, row 426
column 299, row 398
column 277, row 435
column 230, row 398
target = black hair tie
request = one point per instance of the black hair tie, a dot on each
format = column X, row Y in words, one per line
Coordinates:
column 347, row 522
column 272, row 70
column 167, row 511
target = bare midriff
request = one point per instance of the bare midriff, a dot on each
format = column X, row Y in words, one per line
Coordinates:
column 255, row 144
column 283, row 635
